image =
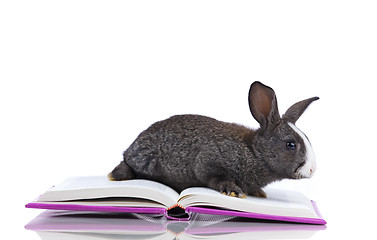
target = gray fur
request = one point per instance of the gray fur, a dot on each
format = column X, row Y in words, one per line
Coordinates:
column 192, row 150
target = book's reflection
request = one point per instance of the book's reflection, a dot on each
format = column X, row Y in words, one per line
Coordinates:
column 53, row 225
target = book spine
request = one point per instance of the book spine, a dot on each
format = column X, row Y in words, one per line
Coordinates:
column 178, row 213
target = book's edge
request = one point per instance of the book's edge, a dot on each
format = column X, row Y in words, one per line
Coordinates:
column 212, row 211
column 189, row 210
column 316, row 209
column 164, row 212
column 71, row 207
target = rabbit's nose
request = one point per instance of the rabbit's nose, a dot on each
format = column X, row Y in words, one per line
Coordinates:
column 311, row 171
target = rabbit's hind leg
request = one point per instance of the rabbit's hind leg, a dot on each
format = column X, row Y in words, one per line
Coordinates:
column 121, row 172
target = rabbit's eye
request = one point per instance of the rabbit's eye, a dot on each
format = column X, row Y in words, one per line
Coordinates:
column 291, row 145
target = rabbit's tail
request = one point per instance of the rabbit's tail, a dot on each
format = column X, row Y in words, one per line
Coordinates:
column 121, row 172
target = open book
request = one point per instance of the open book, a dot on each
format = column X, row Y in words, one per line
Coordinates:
column 97, row 193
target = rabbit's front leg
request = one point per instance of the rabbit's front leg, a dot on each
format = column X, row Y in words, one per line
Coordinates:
column 260, row 193
column 226, row 186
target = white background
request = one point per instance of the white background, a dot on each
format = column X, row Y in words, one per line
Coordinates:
column 80, row 79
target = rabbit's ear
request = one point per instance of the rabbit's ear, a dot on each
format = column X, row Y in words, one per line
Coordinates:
column 263, row 104
column 296, row 110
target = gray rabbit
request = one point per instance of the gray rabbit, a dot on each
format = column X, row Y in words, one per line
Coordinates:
column 192, row 150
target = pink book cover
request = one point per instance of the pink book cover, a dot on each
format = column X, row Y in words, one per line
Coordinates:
column 185, row 217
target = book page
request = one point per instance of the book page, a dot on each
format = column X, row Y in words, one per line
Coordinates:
column 89, row 187
column 88, row 182
column 278, row 202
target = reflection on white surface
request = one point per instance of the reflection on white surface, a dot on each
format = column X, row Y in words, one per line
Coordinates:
column 58, row 225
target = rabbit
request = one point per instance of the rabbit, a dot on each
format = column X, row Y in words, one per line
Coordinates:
column 193, row 150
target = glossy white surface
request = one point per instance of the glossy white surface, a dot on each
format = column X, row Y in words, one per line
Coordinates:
column 58, row 224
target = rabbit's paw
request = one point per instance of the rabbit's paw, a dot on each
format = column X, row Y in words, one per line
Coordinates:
column 260, row 193
column 233, row 194
column 227, row 187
